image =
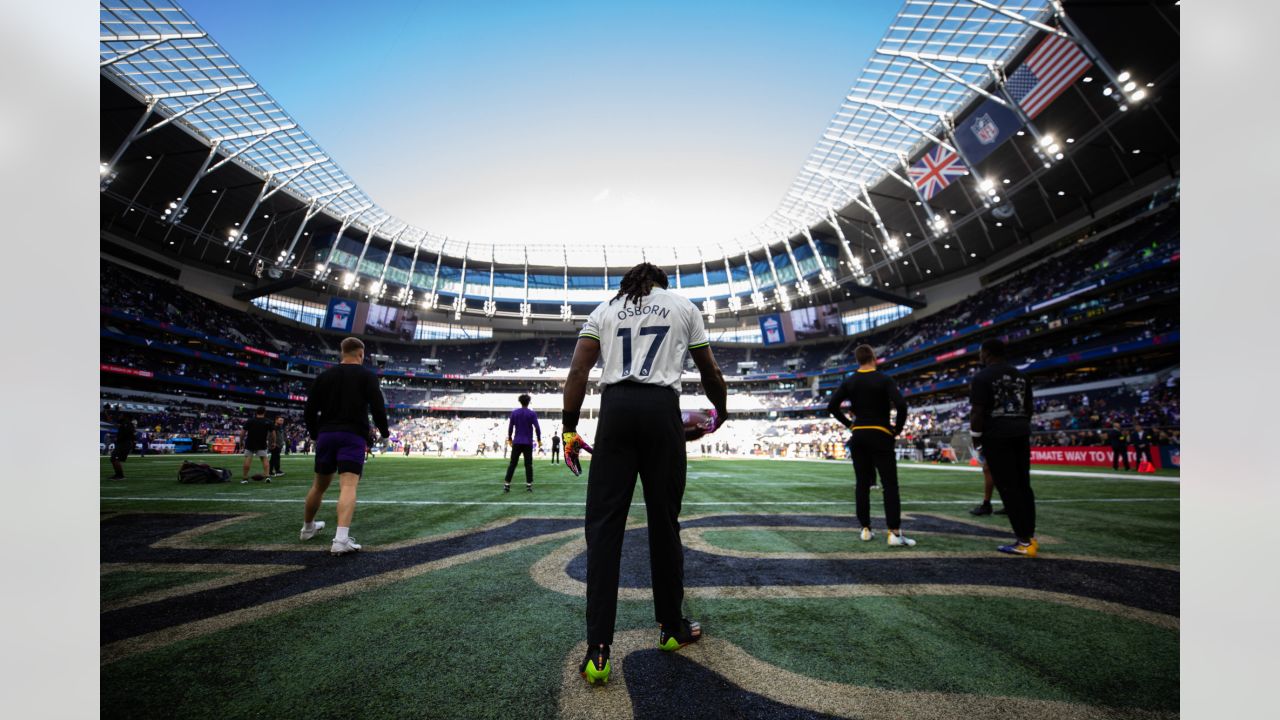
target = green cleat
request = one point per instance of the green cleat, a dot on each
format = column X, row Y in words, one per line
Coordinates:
column 688, row 633
column 595, row 667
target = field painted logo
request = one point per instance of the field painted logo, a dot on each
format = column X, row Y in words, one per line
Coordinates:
column 253, row 582
column 1147, row 592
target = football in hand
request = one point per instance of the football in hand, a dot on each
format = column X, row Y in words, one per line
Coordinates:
column 697, row 423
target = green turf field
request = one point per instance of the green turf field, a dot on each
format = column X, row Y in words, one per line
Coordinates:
column 232, row 616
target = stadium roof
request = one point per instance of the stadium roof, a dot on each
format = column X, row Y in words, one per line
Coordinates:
column 159, row 51
column 848, row 207
column 163, row 56
column 897, row 102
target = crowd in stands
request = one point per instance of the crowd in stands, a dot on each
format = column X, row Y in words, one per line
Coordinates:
column 1074, row 419
column 221, row 374
column 144, row 295
column 202, row 422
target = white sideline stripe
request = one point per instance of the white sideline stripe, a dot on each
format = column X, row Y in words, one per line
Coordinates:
column 296, row 501
column 902, row 464
column 1058, row 473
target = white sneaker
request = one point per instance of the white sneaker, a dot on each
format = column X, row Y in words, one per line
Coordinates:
column 308, row 534
column 867, row 534
column 342, row 547
column 900, row 541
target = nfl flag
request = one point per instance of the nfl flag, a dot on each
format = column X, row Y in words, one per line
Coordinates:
column 936, row 170
column 1048, row 70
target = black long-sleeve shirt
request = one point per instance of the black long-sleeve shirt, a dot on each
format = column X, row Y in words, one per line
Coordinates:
column 871, row 395
column 342, row 398
column 1001, row 404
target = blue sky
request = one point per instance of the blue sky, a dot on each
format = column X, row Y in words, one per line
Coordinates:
column 560, row 122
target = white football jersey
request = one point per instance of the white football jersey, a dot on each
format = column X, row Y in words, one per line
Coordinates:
column 646, row 343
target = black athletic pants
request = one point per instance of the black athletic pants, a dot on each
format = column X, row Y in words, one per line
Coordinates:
column 274, row 465
column 1117, row 453
column 639, row 431
column 555, row 454
column 518, row 449
column 1009, row 460
column 872, row 453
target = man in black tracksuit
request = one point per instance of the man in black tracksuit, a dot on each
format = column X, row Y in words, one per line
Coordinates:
column 277, row 446
column 872, row 394
column 1000, row 424
column 1119, row 447
column 1141, row 440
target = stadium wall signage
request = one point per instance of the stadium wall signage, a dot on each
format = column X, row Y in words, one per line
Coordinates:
column 1097, row 456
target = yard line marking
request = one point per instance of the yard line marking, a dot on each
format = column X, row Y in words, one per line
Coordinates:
column 296, row 501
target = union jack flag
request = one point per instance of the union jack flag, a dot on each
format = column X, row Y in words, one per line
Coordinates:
column 936, row 170
column 1048, row 70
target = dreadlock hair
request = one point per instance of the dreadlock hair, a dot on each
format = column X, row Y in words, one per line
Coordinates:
column 639, row 282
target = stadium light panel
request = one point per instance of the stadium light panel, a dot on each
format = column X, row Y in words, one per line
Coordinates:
column 1123, row 76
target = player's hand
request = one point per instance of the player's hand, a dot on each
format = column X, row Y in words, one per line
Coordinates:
column 574, row 444
column 508, row 442
column 718, row 418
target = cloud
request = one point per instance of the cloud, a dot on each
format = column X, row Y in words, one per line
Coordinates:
column 601, row 196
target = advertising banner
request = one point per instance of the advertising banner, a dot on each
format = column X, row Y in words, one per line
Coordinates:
column 1096, row 456
column 125, row 371
column 344, row 315
column 771, row 329
column 985, row 130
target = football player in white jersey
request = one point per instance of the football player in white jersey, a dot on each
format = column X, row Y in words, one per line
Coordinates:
column 641, row 336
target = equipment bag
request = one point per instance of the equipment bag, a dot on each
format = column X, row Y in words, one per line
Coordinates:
column 200, row 473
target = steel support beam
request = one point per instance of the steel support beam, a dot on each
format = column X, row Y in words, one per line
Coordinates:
column 191, row 186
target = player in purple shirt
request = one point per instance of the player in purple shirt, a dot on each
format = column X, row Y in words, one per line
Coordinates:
column 520, row 431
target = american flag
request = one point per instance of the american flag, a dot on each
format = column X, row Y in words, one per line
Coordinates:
column 936, row 170
column 1048, row 70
